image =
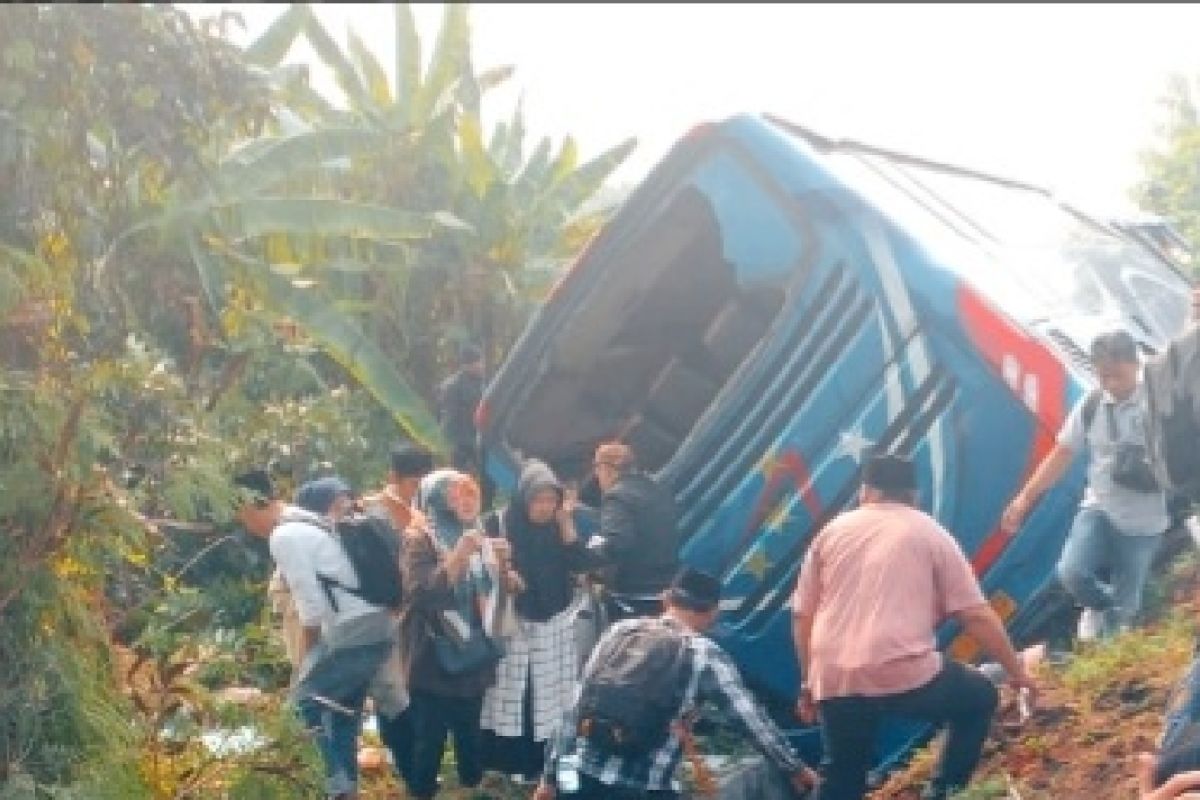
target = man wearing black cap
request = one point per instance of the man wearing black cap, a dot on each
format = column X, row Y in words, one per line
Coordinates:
column 394, row 504
column 875, row 586
column 599, row 768
column 258, row 512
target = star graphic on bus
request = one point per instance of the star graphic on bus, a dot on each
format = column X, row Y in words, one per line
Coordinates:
column 852, row 444
column 779, row 517
column 758, row 564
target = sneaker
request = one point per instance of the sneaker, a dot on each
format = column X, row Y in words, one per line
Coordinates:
column 1093, row 624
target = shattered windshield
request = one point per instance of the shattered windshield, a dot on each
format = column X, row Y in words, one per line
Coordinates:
column 1034, row 258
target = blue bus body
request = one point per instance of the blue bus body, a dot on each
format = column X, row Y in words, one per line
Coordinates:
column 768, row 304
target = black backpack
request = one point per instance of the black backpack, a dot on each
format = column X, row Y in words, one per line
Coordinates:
column 372, row 548
column 635, row 691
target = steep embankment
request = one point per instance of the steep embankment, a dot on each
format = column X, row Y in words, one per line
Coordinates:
column 1100, row 707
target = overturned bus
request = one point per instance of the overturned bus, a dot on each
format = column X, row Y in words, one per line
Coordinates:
column 770, row 303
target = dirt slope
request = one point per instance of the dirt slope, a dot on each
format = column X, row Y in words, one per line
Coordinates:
column 1098, row 710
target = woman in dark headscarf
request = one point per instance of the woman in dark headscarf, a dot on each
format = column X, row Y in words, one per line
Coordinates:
column 536, row 678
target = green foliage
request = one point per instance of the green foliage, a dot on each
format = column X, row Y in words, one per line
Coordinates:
column 1171, row 186
column 122, row 412
column 57, row 705
column 1098, row 668
column 503, row 224
column 206, row 266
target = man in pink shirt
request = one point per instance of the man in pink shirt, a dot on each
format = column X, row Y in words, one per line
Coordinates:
column 876, row 584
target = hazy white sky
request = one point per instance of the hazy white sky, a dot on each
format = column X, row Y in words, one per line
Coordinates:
column 1060, row 95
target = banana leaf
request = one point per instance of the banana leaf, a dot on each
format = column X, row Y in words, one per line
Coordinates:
column 551, row 209
column 495, row 76
column 514, row 146
column 273, row 45
column 210, row 273
column 320, row 216
column 478, row 170
column 567, row 161
column 566, row 195
column 370, row 69
column 343, row 339
column 445, row 67
column 498, row 142
column 344, row 73
column 532, row 177
column 469, row 94
column 291, row 82
column 408, row 62
column 273, row 161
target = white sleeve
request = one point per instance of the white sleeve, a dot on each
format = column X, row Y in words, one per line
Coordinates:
column 292, row 547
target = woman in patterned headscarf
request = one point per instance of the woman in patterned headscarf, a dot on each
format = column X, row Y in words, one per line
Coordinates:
column 451, row 589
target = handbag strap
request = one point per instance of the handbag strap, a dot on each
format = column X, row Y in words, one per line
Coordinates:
column 1111, row 414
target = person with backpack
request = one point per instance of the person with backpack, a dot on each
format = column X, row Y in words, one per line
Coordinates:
column 258, row 512
column 1123, row 517
column 346, row 590
column 643, row 685
column 536, row 677
column 394, row 504
column 456, row 586
column 638, row 540
column 395, row 501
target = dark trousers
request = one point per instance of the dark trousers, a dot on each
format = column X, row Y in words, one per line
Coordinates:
column 959, row 697
column 516, row 755
column 399, row 737
column 434, row 717
column 592, row 789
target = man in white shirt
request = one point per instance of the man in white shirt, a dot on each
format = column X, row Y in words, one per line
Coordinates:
column 1118, row 526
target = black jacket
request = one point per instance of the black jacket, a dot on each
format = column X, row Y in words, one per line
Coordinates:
column 639, row 526
column 459, row 395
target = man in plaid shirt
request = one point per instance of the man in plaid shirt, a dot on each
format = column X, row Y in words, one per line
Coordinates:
column 691, row 608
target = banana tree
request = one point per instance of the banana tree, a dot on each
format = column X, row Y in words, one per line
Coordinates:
column 387, row 212
column 272, row 224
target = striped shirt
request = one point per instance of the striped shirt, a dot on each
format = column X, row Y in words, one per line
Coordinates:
column 712, row 678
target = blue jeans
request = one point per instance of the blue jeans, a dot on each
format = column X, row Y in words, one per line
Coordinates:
column 330, row 695
column 1094, row 544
